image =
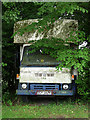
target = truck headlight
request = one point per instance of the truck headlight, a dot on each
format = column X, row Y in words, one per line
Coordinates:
column 65, row 87
column 24, row 86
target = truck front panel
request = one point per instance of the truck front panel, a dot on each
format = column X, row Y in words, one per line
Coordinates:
column 44, row 75
column 39, row 76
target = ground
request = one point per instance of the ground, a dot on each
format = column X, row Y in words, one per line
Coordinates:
column 44, row 107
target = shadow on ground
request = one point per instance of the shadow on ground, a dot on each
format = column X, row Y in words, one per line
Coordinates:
column 45, row 100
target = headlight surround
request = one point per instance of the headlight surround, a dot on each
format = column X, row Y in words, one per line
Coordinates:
column 65, row 86
column 24, row 86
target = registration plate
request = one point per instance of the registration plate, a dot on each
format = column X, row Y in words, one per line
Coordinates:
column 44, row 93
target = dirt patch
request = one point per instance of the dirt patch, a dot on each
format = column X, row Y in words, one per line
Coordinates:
column 56, row 116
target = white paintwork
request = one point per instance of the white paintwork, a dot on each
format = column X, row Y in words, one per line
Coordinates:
column 27, row 74
column 83, row 45
column 61, row 28
column 21, row 52
column 22, row 49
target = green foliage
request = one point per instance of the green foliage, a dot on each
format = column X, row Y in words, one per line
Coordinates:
column 6, row 97
column 49, row 11
column 3, row 64
column 12, row 12
column 83, row 82
column 69, row 56
column 9, row 102
column 60, row 7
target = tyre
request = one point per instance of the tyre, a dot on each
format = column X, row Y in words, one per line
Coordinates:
column 25, row 99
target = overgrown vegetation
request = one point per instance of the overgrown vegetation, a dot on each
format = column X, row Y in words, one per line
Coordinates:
column 12, row 12
column 79, row 58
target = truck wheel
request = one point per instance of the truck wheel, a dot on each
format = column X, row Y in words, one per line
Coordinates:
column 25, row 99
column 73, row 98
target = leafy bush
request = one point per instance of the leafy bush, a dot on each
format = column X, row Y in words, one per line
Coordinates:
column 83, row 83
column 6, row 97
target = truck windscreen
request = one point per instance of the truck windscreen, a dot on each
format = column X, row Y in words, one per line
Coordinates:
column 37, row 59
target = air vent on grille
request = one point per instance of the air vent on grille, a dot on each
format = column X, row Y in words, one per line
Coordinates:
column 44, row 86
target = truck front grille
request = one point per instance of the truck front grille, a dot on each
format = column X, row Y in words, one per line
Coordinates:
column 44, row 86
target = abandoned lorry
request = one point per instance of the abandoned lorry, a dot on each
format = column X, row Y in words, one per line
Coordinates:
column 37, row 72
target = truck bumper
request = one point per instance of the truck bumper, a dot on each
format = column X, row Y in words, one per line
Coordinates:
column 46, row 92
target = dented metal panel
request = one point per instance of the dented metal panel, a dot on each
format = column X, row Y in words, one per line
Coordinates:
column 44, row 75
column 60, row 29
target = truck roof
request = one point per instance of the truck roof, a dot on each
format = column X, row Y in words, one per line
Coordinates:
column 60, row 29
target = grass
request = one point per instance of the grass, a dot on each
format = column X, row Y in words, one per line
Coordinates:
column 64, row 109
